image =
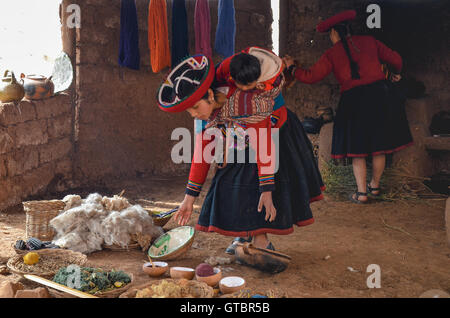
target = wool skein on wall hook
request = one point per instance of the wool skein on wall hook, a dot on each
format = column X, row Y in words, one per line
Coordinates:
column 226, row 28
column 202, row 27
column 180, row 38
column 158, row 35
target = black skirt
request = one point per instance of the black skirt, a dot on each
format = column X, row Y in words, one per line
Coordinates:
column 231, row 204
column 370, row 120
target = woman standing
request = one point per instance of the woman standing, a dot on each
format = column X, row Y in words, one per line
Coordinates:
column 242, row 200
column 362, row 126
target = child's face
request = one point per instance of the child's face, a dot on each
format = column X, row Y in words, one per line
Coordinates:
column 249, row 86
column 201, row 110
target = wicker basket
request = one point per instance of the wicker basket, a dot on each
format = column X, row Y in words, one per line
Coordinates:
column 202, row 289
column 115, row 293
column 38, row 216
column 118, row 248
column 61, row 258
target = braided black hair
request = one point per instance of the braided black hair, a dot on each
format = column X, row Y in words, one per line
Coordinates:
column 343, row 29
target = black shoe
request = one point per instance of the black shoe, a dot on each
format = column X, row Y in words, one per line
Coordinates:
column 232, row 247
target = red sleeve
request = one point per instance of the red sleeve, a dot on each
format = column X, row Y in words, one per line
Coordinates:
column 266, row 149
column 199, row 167
column 223, row 71
column 317, row 72
column 389, row 56
column 265, row 158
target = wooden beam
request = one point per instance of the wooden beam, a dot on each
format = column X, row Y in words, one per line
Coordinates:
column 437, row 143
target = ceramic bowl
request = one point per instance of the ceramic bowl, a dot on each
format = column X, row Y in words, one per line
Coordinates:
column 172, row 244
column 154, row 271
column 182, row 272
column 212, row 280
column 231, row 284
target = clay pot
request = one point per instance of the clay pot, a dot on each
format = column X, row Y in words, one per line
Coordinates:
column 37, row 86
column 212, row 280
column 10, row 89
column 154, row 271
column 182, row 272
column 231, row 284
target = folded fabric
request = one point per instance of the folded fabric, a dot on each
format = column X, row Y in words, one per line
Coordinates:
column 33, row 244
column 129, row 36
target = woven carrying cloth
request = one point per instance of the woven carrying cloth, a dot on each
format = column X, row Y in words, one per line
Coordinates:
column 247, row 107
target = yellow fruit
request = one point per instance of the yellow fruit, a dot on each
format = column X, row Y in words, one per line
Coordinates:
column 118, row 284
column 31, row 258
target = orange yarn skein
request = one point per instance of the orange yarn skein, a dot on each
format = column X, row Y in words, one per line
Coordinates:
column 158, row 35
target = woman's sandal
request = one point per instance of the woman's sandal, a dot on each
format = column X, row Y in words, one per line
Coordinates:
column 370, row 190
column 358, row 194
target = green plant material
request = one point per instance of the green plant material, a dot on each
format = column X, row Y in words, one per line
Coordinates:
column 119, row 276
column 92, row 280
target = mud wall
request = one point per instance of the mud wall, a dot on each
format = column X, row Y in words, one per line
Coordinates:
column 120, row 130
column 414, row 28
column 36, row 148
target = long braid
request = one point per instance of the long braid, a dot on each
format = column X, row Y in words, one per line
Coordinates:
column 342, row 30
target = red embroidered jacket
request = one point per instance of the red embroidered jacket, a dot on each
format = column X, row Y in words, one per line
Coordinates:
column 366, row 51
column 271, row 69
column 262, row 145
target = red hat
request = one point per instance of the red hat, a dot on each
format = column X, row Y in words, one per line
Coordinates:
column 324, row 26
column 199, row 71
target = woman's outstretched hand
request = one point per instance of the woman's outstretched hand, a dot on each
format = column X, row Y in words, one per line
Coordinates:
column 185, row 210
column 288, row 61
column 265, row 200
column 395, row 78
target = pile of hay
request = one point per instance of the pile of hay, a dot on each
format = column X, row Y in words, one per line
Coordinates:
column 396, row 183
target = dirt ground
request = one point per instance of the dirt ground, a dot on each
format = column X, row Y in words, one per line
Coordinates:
column 406, row 239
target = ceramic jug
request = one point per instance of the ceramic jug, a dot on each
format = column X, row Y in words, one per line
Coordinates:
column 10, row 89
column 37, row 86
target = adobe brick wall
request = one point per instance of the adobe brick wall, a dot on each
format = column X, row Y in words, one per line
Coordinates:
column 35, row 148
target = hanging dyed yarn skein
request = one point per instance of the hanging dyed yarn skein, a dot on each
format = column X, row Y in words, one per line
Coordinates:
column 180, row 38
column 129, row 36
column 202, row 27
column 158, row 35
column 226, row 28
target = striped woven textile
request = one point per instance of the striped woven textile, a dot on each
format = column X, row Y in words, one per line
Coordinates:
column 247, row 107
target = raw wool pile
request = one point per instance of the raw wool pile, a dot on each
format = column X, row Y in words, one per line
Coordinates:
column 87, row 224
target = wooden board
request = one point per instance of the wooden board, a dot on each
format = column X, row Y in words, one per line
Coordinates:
column 59, row 287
